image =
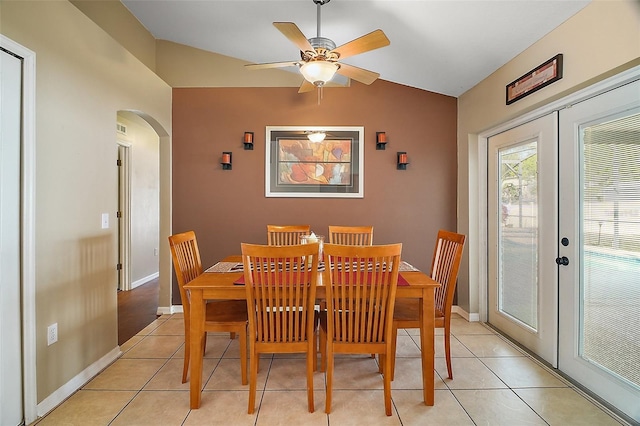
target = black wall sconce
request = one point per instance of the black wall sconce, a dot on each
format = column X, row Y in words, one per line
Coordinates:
column 381, row 140
column 248, row 140
column 226, row 160
column 402, row 161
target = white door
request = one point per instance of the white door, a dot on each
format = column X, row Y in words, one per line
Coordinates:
column 11, row 412
column 522, row 229
column 600, row 240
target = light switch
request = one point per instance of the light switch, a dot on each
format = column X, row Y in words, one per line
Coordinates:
column 105, row 220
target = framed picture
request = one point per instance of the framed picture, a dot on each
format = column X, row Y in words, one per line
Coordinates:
column 542, row 76
column 331, row 168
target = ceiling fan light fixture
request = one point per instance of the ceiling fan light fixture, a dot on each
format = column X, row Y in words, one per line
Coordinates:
column 319, row 72
column 317, row 136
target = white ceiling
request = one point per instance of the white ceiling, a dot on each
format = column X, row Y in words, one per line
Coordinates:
column 445, row 46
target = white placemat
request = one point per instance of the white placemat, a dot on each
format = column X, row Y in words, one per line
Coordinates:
column 226, row 267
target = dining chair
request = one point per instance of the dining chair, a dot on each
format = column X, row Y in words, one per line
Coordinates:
column 286, row 235
column 360, row 284
column 351, row 235
column 280, row 284
column 444, row 269
column 221, row 315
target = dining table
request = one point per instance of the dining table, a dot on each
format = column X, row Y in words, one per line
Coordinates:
column 223, row 284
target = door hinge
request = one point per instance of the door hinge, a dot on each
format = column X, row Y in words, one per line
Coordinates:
column 118, row 162
column 119, row 266
column 119, row 215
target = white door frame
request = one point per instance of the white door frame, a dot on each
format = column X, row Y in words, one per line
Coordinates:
column 28, row 225
column 481, row 178
column 124, row 222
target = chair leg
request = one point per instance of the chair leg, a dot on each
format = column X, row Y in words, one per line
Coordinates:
column 387, row 382
column 187, row 354
column 204, row 344
column 243, row 356
column 329, row 393
column 253, row 377
column 392, row 355
column 312, row 360
column 447, row 350
column 323, row 349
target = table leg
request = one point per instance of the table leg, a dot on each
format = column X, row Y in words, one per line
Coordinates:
column 196, row 341
column 427, row 331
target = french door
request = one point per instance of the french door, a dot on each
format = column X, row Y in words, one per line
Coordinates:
column 599, row 246
column 522, row 212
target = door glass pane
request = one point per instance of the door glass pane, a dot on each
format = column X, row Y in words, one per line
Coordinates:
column 518, row 261
column 610, row 276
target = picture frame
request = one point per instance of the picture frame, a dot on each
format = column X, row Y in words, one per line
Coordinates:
column 297, row 167
column 539, row 77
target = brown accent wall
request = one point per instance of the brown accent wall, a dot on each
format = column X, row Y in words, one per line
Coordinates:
column 226, row 208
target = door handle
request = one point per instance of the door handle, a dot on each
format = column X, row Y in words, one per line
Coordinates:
column 564, row 260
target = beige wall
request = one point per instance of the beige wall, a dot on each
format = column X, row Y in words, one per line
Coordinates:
column 83, row 78
column 600, row 40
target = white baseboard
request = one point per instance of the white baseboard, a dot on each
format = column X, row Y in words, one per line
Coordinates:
column 138, row 283
column 464, row 314
column 66, row 390
column 168, row 310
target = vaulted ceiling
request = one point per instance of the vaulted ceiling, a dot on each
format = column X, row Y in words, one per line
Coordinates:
column 445, row 46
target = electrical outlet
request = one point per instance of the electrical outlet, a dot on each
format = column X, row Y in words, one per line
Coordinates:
column 52, row 334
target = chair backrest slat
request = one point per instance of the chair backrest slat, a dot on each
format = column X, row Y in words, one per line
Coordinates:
column 281, row 285
column 444, row 267
column 361, row 284
column 186, row 263
column 351, row 235
column 286, row 235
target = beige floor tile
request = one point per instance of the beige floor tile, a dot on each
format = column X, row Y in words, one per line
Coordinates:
column 408, row 375
column 287, row 408
column 226, row 375
column 497, row 407
column 484, row 346
column 126, row 374
column 445, row 411
column 223, row 408
column 564, row 406
column 216, row 347
column 126, row 346
column 155, row 347
column 522, row 372
column 155, row 408
column 171, row 327
column 458, row 350
column 356, row 373
column 152, row 326
column 462, row 326
column 88, row 407
column 170, row 375
column 360, row 407
column 468, row 373
column 406, row 346
column 291, row 374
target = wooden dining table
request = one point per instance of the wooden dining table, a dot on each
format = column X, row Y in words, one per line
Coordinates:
column 221, row 285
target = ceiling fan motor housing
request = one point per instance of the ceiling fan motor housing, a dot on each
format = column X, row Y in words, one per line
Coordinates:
column 322, row 46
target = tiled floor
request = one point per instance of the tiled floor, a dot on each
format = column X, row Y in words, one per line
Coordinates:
column 495, row 384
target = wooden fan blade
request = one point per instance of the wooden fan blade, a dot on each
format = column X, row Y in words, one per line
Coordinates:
column 293, row 33
column 271, row 65
column 306, row 87
column 374, row 40
column 358, row 74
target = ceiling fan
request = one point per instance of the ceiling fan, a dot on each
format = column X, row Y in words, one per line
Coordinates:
column 320, row 57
